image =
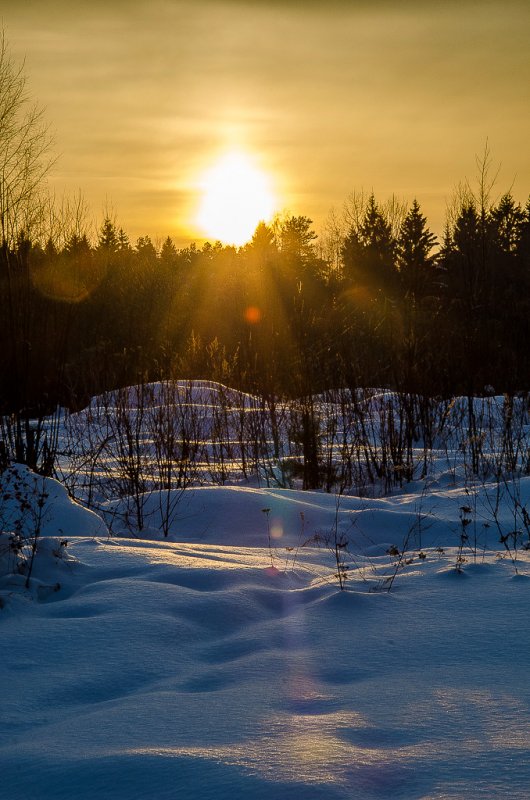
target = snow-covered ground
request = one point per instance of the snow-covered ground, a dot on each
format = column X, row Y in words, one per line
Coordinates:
column 224, row 661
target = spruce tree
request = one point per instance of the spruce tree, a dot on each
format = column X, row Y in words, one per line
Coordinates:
column 368, row 252
column 414, row 257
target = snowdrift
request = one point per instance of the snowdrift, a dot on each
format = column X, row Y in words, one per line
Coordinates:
column 210, row 652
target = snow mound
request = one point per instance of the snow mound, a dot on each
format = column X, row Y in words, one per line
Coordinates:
column 162, row 670
column 30, row 504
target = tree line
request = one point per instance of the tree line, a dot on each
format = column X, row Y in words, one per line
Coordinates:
column 386, row 305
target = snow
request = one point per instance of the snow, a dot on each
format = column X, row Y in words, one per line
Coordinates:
column 224, row 662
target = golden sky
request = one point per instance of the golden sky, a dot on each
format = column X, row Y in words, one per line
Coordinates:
column 328, row 97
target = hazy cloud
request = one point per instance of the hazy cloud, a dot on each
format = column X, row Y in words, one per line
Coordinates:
column 393, row 96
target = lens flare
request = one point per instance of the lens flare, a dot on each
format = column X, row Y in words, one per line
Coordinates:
column 252, row 315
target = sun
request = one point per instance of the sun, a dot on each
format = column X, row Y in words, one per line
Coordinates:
column 236, row 196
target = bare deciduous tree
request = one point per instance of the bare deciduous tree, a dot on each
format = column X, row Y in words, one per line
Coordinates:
column 25, row 144
column 25, row 159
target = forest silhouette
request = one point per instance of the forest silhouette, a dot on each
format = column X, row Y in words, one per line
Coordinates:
column 389, row 308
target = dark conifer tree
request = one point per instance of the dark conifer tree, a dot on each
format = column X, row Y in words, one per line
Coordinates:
column 368, row 252
column 124, row 245
column 465, row 278
column 168, row 253
column 108, row 238
column 414, row 257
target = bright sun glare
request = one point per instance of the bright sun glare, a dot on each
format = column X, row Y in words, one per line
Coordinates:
column 236, row 196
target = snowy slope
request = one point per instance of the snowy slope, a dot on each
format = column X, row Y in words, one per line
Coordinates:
column 173, row 670
column 223, row 661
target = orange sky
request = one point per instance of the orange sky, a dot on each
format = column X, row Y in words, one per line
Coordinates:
column 329, row 97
